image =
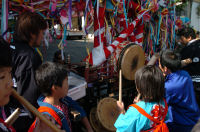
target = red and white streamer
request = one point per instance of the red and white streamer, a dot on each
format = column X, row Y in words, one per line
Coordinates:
column 101, row 52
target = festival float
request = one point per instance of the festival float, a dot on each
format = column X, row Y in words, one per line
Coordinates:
column 127, row 33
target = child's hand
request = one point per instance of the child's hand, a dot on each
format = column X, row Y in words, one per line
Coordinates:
column 136, row 99
column 90, row 130
column 120, row 106
column 42, row 127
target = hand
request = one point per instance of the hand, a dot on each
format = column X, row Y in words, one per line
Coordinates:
column 120, row 106
column 90, row 130
column 153, row 59
column 185, row 62
column 42, row 127
column 86, row 123
column 136, row 99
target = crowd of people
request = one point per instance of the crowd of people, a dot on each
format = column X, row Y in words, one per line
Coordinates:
column 168, row 93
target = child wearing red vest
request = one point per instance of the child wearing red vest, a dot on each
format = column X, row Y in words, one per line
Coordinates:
column 52, row 80
column 150, row 110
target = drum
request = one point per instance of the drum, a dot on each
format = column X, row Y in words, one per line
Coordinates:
column 95, row 122
column 117, row 52
column 103, row 118
column 131, row 58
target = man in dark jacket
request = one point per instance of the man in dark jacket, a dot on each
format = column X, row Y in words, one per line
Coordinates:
column 28, row 35
column 192, row 51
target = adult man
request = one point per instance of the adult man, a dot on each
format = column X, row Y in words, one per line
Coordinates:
column 28, row 35
column 179, row 92
column 192, row 51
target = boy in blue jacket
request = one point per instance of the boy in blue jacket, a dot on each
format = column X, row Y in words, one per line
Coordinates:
column 179, row 93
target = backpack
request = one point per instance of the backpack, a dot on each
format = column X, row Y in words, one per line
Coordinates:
column 59, row 118
column 161, row 125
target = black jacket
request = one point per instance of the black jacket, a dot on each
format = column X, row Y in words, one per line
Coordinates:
column 192, row 51
column 25, row 62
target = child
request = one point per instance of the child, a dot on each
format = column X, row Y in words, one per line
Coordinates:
column 179, row 93
column 150, row 85
column 5, row 80
column 6, row 84
column 52, row 80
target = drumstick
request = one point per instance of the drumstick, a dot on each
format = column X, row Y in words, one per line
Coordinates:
column 34, row 111
column 12, row 118
column 120, row 85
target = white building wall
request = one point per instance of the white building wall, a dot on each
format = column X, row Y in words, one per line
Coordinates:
column 195, row 19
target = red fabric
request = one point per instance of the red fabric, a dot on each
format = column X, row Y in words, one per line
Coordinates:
column 32, row 127
column 51, row 112
column 8, row 127
column 107, row 52
column 64, row 109
column 160, row 124
column 133, row 27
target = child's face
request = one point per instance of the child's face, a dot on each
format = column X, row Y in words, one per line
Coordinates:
column 62, row 91
column 6, row 84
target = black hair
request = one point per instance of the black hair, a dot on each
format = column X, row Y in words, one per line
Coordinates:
column 170, row 59
column 49, row 74
column 57, row 56
column 5, row 54
column 28, row 23
column 187, row 32
column 150, row 83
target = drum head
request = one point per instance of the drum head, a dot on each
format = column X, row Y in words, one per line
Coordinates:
column 95, row 122
column 121, row 55
column 131, row 59
column 108, row 113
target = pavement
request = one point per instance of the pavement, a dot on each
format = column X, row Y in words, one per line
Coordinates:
column 75, row 48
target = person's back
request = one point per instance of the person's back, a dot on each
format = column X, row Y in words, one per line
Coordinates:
column 25, row 61
column 152, row 102
column 180, row 96
column 134, row 121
